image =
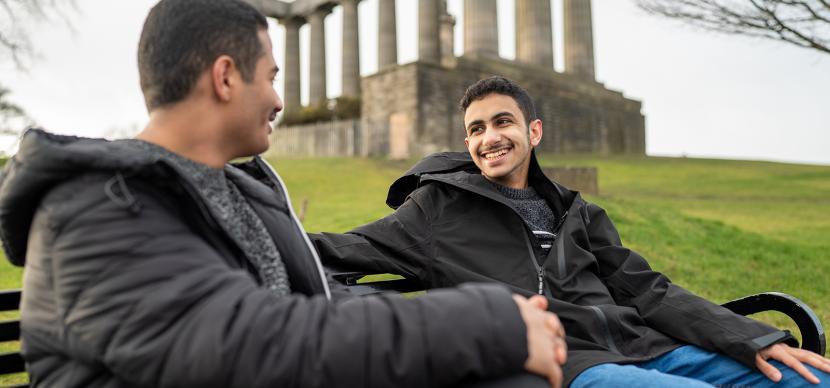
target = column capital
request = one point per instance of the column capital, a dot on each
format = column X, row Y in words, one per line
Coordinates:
column 292, row 21
column 322, row 11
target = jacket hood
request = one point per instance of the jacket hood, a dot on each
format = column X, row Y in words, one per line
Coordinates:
column 437, row 163
column 43, row 161
column 453, row 162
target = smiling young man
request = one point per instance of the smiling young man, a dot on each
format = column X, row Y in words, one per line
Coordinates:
column 155, row 262
column 490, row 214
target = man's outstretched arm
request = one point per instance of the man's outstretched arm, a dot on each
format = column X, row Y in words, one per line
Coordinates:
column 679, row 313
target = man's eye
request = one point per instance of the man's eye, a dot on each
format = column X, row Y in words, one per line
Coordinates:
column 503, row 121
column 475, row 130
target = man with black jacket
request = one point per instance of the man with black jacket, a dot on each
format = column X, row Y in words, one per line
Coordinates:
column 492, row 215
column 153, row 262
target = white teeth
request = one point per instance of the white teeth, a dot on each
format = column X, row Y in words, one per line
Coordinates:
column 494, row 155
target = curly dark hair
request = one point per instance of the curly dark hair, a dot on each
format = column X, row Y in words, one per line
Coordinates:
column 182, row 38
column 503, row 86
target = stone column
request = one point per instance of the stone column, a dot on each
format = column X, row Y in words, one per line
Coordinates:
column 387, row 34
column 351, row 49
column 534, row 41
column 579, row 38
column 292, row 63
column 317, row 62
column 429, row 33
column 481, row 32
column 447, row 38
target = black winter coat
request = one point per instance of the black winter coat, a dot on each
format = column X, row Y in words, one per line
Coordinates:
column 451, row 226
column 129, row 282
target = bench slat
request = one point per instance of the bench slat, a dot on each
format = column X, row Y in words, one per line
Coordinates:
column 9, row 331
column 11, row 363
column 9, row 300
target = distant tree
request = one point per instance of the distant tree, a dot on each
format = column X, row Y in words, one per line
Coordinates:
column 17, row 18
column 12, row 117
column 803, row 23
column 16, row 21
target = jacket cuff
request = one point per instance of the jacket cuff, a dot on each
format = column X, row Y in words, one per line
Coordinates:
column 751, row 347
column 768, row 340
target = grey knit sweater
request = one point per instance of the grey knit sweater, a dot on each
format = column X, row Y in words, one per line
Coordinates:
column 233, row 213
column 535, row 212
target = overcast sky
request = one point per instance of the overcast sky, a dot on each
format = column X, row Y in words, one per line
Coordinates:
column 703, row 94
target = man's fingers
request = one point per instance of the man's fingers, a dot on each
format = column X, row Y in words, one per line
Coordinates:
column 561, row 349
column 555, row 377
column 787, row 359
column 767, row 369
column 555, row 325
column 814, row 360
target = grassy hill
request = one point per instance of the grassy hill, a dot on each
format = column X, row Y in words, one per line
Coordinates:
column 723, row 229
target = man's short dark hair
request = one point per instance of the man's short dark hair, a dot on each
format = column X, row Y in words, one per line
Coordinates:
column 503, row 86
column 182, row 38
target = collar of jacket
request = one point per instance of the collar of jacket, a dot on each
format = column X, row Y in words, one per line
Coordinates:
column 458, row 169
column 44, row 160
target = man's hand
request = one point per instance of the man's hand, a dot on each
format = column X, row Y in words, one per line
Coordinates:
column 545, row 339
column 792, row 357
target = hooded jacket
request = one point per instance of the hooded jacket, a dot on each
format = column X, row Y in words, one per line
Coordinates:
column 129, row 282
column 453, row 226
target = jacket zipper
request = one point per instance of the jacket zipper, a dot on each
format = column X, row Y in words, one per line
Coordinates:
column 560, row 245
column 603, row 320
column 276, row 177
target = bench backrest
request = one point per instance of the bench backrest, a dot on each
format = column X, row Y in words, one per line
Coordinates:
column 10, row 362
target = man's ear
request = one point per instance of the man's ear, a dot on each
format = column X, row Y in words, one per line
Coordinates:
column 467, row 141
column 535, row 132
column 222, row 77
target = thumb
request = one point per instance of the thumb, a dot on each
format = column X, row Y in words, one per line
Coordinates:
column 539, row 302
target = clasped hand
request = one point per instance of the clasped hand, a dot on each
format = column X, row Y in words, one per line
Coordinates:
column 546, row 346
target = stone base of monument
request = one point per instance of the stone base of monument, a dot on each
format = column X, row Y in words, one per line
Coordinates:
column 582, row 179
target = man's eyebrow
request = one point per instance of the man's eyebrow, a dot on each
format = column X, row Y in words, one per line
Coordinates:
column 474, row 122
column 503, row 114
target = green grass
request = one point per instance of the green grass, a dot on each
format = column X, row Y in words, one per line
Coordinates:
column 722, row 229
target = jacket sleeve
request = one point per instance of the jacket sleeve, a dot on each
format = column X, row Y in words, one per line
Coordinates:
column 668, row 307
column 400, row 243
column 143, row 296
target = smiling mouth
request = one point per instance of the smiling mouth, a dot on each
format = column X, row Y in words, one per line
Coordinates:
column 492, row 156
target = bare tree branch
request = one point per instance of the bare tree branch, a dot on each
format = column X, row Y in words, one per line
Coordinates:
column 803, row 23
column 16, row 20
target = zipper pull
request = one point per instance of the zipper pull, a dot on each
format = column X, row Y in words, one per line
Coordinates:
column 541, row 281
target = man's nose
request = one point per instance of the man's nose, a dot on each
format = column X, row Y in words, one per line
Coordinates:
column 491, row 136
column 278, row 106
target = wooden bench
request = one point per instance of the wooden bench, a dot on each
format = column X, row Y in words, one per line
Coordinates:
column 812, row 332
column 10, row 363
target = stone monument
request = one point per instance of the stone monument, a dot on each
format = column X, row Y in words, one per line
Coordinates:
column 411, row 109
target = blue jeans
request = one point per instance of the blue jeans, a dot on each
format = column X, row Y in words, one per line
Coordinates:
column 691, row 367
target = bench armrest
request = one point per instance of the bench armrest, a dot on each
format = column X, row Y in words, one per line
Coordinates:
column 352, row 280
column 812, row 332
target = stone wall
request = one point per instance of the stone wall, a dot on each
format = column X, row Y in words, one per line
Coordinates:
column 582, row 179
column 579, row 116
column 329, row 138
